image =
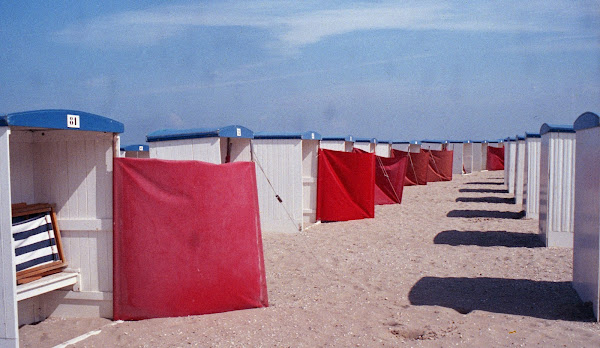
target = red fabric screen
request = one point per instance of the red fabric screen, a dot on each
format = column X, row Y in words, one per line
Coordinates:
column 495, row 158
column 345, row 186
column 186, row 240
column 440, row 165
column 390, row 174
column 417, row 167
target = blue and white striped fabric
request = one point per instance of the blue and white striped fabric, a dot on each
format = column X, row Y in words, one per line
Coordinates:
column 34, row 242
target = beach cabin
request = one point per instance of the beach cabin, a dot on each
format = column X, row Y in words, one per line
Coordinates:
column 213, row 145
column 407, row 146
column 510, row 155
column 63, row 158
column 492, row 162
column 365, row 144
column 286, row 175
column 484, row 146
column 477, row 155
column 519, row 170
column 557, row 184
column 383, row 148
column 531, row 187
column 337, row 143
column 468, row 157
column 437, row 145
column 135, row 151
column 586, row 239
column 457, row 161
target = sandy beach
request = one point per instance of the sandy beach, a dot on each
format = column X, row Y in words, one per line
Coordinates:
column 454, row 264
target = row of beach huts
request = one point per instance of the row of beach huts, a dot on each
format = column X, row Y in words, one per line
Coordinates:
column 66, row 158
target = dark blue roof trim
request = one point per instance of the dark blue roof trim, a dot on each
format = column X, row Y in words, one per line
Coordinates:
column 586, row 120
column 455, row 141
column 339, row 138
column 532, row 135
column 400, row 142
column 520, row 137
column 384, row 142
column 477, row 141
column 58, row 119
column 555, row 128
column 272, row 135
column 435, row 141
column 136, row 147
column 234, row 131
column 365, row 140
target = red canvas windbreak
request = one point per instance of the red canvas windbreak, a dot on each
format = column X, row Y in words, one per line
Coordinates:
column 345, row 186
column 495, row 158
column 186, row 239
column 417, row 167
column 390, row 174
column 440, row 165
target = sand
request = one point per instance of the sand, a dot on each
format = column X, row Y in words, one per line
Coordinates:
column 454, row 264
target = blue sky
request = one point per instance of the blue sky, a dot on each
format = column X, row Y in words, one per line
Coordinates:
column 395, row 70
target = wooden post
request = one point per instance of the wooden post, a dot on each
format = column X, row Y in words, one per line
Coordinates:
column 9, row 334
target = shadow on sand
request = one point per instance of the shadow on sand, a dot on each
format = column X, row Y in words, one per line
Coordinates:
column 489, row 239
column 483, row 190
column 485, row 214
column 499, row 200
column 538, row 299
column 485, row 183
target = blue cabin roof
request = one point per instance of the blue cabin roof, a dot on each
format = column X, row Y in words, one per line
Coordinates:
column 136, row 147
column 435, row 141
column 556, row 128
column 339, row 138
column 234, row 131
column 400, row 142
column 586, row 120
column 365, row 140
column 384, row 141
column 532, row 135
column 520, row 137
column 310, row 135
column 62, row 119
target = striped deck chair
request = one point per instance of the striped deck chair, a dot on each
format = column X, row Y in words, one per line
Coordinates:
column 38, row 251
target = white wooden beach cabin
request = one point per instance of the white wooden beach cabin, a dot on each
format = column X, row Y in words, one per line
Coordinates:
column 586, row 239
column 213, row 145
column 383, row 148
column 468, row 157
column 337, row 143
column 457, row 160
column 62, row 157
column 484, row 147
column 531, row 187
column 365, row 144
column 519, row 170
column 436, row 145
column 407, row 146
column 135, row 151
column 510, row 155
column 557, row 185
column 289, row 162
column 477, row 155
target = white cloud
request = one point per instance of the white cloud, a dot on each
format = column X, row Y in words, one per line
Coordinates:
column 295, row 24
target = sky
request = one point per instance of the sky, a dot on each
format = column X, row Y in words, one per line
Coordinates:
column 392, row 70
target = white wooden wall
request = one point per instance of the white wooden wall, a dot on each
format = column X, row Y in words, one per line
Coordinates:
column 432, row 146
column 510, row 166
column 281, row 160
column 586, row 242
column 310, row 165
column 468, row 157
column 72, row 169
column 240, row 150
column 382, row 150
column 136, row 154
column 557, row 181
column 401, row 147
column 457, row 159
column 369, row 147
column 506, row 162
column 416, row 148
column 336, row 145
column 8, row 309
column 484, row 148
column 200, row 149
column 531, row 191
column 477, row 165
column 519, row 172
